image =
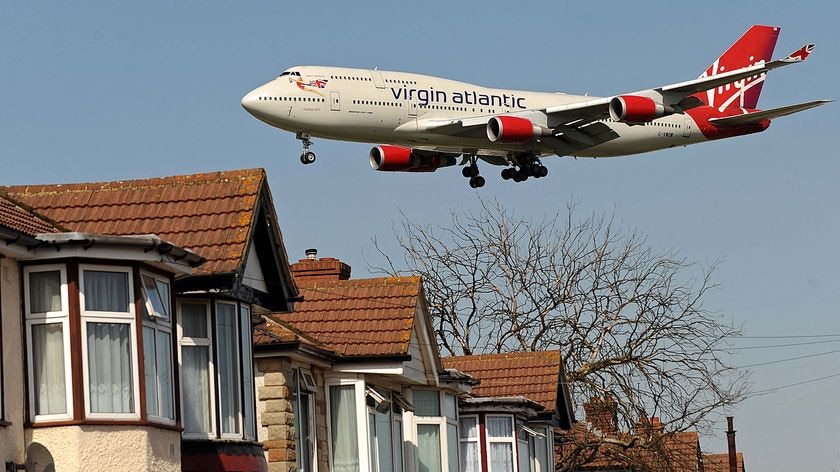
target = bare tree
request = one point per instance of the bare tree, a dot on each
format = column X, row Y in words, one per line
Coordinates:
column 628, row 318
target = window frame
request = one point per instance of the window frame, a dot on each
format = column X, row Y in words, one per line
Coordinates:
column 299, row 372
column 512, row 440
column 128, row 317
column 476, row 439
column 442, row 421
column 164, row 325
column 236, row 363
column 249, row 396
column 207, row 342
column 60, row 317
column 361, row 419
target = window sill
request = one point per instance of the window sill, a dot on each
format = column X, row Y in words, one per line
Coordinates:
column 4, row 423
column 99, row 422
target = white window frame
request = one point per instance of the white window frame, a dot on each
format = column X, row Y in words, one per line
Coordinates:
column 246, row 353
column 476, row 439
column 440, row 421
column 164, row 325
column 512, row 440
column 62, row 317
column 116, row 317
column 361, row 420
column 211, row 369
column 237, row 363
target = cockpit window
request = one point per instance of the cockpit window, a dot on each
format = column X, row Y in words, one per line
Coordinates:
column 294, row 74
column 285, row 73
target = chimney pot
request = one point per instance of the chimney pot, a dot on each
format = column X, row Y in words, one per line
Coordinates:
column 730, row 439
column 311, row 254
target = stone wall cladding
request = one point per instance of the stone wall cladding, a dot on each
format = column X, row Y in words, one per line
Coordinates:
column 11, row 436
column 276, row 420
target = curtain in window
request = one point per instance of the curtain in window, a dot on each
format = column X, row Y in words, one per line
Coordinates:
column 106, row 291
column 196, row 388
column 428, row 447
column 541, row 451
column 45, row 291
column 194, row 320
column 452, row 446
column 426, row 403
column 109, row 368
column 501, row 457
column 469, row 454
column 345, row 438
column 499, row 427
column 149, row 366
column 228, row 361
column 164, row 375
column 48, row 369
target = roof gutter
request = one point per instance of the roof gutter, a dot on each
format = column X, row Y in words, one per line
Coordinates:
column 148, row 242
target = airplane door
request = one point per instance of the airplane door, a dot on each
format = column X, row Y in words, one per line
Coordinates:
column 687, row 126
column 412, row 107
column 377, row 79
column 335, row 102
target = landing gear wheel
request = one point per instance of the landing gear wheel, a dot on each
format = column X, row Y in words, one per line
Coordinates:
column 477, row 182
column 542, row 171
column 470, row 171
column 507, row 173
column 308, row 157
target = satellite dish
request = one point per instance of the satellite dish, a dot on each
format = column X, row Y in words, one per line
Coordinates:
column 39, row 459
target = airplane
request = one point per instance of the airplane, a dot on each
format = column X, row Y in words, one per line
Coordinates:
column 426, row 123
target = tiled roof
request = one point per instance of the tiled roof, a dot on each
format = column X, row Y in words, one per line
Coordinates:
column 271, row 331
column 210, row 214
column 360, row 317
column 22, row 220
column 534, row 375
column 720, row 462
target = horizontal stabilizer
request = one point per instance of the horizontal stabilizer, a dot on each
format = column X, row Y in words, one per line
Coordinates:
column 752, row 118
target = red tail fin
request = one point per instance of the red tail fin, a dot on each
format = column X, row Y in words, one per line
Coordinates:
column 755, row 45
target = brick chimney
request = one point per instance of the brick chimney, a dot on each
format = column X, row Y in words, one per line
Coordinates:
column 652, row 425
column 325, row 268
column 602, row 413
column 730, row 439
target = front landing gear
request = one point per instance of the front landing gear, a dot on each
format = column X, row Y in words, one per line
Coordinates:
column 307, row 156
column 471, row 172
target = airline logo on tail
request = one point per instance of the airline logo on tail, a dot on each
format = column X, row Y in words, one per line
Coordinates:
column 755, row 47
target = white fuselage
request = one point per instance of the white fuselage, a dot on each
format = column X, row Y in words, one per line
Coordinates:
column 396, row 108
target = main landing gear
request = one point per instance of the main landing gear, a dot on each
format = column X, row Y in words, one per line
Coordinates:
column 525, row 165
column 471, row 172
column 307, row 156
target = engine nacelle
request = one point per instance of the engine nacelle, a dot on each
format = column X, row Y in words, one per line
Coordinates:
column 513, row 129
column 636, row 109
column 403, row 159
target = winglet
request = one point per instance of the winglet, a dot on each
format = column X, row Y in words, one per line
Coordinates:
column 800, row 54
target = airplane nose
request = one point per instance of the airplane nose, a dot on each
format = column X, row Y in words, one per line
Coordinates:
column 249, row 101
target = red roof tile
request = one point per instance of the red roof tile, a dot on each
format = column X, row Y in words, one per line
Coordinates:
column 210, row 214
column 360, row 317
column 534, row 375
column 22, row 220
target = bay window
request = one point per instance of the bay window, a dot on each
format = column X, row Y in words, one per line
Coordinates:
column 157, row 349
column 500, row 443
column 48, row 342
column 230, row 406
column 249, row 403
column 535, row 445
column 344, row 428
column 108, row 340
column 385, row 446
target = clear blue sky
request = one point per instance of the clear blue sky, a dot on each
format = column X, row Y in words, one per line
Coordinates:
column 119, row 90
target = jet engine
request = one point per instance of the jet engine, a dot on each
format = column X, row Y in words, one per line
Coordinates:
column 636, row 109
column 513, row 129
column 402, row 159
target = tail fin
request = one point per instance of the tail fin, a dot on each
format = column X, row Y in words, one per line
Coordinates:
column 756, row 45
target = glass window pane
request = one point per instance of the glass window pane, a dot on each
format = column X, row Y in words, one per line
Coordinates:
column 228, row 362
column 374, row 461
column 384, row 442
column 398, row 444
column 248, row 372
column 426, row 403
column 195, row 388
column 45, row 291
column 164, row 375
column 194, row 319
column 48, row 369
column 524, row 461
column 452, row 447
column 501, row 457
column 541, row 451
column 344, row 440
column 106, row 291
column 499, row 427
column 451, row 405
column 149, row 365
column 163, row 291
column 470, row 460
column 109, row 368
column 428, row 447
column 155, row 298
column 469, row 427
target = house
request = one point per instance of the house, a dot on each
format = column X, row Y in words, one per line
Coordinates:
column 94, row 316
column 507, row 423
column 227, row 218
column 352, row 381
column 598, row 445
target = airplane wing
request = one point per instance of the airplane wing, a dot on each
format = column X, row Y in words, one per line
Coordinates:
column 576, row 124
column 751, row 118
